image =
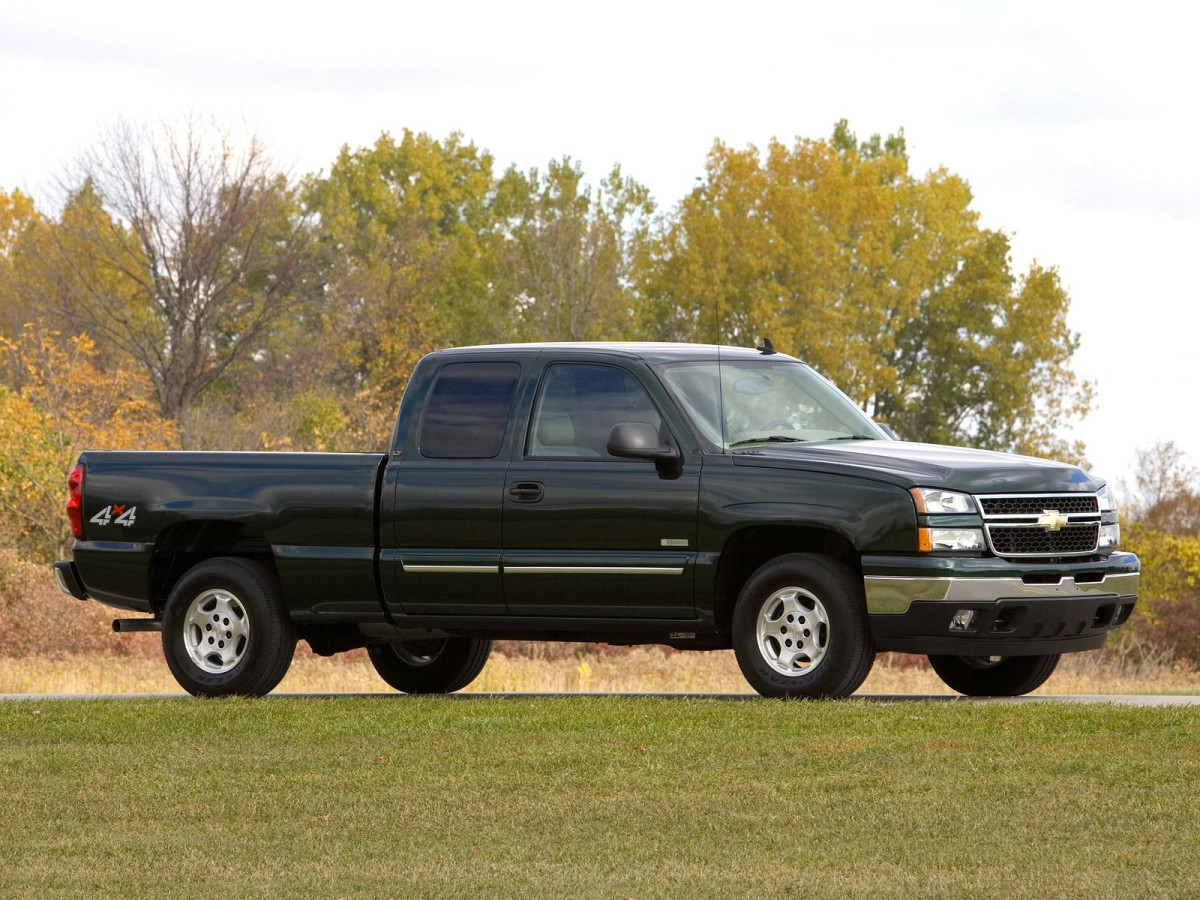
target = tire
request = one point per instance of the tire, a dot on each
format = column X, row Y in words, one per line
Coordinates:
column 985, row 676
column 247, row 647
column 833, row 658
column 436, row 666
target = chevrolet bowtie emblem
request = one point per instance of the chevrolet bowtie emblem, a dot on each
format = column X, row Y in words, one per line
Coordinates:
column 1052, row 519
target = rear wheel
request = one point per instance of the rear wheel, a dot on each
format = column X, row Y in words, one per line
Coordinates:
column 800, row 629
column 226, row 629
column 434, row 666
column 994, row 676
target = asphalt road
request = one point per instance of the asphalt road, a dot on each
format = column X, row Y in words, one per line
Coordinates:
column 1124, row 699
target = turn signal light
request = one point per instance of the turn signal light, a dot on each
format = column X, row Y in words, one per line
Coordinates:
column 953, row 539
column 75, row 501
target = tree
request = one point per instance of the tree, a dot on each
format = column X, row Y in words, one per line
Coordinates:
column 986, row 359
column 405, row 229
column 1165, row 495
column 567, row 251
column 1162, row 526
column 179, row 247
column 883, row 281
column 18, row 217
column 55, row 402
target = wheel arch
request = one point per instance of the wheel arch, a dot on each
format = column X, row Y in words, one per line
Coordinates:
column 184, row 544
column 749, row 548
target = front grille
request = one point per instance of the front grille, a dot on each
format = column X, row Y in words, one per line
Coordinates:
column 1025, row 540
column 1034, row 505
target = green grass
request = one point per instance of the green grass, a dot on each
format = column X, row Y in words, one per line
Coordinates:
column 605, row 797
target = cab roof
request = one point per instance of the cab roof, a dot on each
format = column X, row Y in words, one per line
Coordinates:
column 648, row 351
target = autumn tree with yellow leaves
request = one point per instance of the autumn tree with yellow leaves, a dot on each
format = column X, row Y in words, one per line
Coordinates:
column 55, row 402
column 882, row 280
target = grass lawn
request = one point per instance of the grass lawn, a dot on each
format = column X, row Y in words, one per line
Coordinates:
column 605, row 797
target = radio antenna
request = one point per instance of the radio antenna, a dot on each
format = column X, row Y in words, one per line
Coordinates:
column 720, row 380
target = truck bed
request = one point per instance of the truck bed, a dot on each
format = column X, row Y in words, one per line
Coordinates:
column 314, row 514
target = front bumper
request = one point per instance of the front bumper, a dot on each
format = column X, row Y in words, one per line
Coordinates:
column 1019, row 609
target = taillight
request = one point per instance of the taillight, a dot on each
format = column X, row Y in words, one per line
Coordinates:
column 75, row 501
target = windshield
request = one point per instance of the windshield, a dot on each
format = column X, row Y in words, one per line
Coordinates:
column 765, row 401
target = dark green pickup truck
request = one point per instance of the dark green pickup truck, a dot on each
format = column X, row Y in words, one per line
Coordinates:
column 687, row 495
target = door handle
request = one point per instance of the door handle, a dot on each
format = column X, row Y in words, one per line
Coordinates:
column 526, row 491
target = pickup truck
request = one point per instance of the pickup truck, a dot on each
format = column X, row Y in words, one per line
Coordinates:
column 695, row 496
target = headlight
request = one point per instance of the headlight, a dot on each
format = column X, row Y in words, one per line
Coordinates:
column 1107, row 503
column 1110, row 536
column 933, row 500
column 962, row 539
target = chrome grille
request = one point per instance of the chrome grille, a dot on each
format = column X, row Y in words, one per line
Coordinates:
column 1036, row 505
column 1012, row 527
column 1026, row 540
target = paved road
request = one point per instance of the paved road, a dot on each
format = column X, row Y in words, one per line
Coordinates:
column 1125, row 699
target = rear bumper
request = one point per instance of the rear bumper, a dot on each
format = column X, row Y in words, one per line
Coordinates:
column 67, row 579
column 1017, row 609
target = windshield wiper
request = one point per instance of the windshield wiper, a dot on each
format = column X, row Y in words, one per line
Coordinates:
column 769, row 439
column 854, row 437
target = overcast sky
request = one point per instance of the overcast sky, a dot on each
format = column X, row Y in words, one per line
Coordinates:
column 1075, row 124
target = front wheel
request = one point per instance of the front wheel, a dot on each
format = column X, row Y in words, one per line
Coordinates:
column 994, row 676
column 800, row 629
column 226, row 629
column 433, row 666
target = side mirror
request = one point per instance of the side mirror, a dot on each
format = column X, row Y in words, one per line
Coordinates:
column 637, row 440
column 887, row 429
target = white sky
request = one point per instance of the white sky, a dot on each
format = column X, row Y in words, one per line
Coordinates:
column 1076, row 124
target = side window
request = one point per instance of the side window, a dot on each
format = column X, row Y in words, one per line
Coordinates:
column 467, row 410
column 578, row 406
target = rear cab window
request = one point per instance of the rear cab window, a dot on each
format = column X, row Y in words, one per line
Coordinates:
column 467, row 413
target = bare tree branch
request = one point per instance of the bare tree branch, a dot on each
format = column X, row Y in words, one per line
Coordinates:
column 180, row 246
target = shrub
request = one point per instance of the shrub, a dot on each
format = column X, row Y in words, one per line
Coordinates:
column 37, row 619
column 1168, row 612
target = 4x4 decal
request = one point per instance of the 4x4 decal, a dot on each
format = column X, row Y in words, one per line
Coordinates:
column 116, row 514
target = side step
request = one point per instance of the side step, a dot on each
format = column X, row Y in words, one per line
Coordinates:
column 121, row 626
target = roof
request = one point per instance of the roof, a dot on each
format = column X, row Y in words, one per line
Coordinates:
column 649, row 351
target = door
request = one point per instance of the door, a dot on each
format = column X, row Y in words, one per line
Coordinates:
column 448, row 488
column 586, row 533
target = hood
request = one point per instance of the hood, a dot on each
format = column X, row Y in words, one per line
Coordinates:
column 926, row 465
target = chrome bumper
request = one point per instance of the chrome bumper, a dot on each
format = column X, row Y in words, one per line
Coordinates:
column 892, row 595
column 67, row 578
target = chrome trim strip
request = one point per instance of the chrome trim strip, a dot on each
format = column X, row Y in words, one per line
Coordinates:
column 892, row 594
column 592, row 570
column 1029, row 494
column 62, row 581
column 995, row 516
column 544, row 570
column 1039, row 525
column 411, row 567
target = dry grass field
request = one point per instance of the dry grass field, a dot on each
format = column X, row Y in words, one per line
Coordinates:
column 545, row 668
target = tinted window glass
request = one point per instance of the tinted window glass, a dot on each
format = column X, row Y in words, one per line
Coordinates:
column 468, row 410
column 578, row 406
